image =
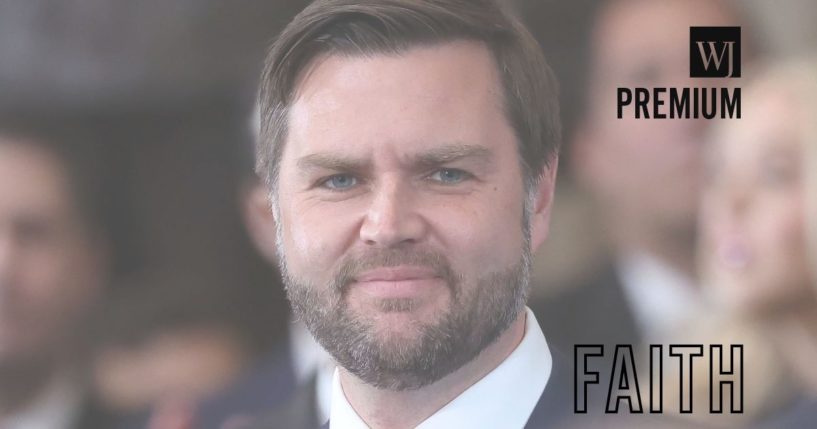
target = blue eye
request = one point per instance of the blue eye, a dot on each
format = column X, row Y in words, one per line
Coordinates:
column 340, row 182
column 450, row 176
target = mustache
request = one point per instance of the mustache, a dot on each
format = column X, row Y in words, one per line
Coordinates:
column 351, row 266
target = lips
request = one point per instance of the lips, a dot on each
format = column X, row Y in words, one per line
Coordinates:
column 396, row 274
column 398, row 282
column 733, row 251
column 735, row 255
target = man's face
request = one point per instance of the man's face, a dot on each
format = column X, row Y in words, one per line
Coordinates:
column 49, row 270
column 647, row 170
column 401, row 211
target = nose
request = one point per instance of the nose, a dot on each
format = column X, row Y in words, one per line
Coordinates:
column 731, row 207
column 739, row 201
column 392, row 218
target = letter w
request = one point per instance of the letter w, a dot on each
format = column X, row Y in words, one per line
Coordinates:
column 713, row 55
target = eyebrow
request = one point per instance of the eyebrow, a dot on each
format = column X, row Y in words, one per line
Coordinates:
column 431, row 158
column 451, row 153
column 328, row 161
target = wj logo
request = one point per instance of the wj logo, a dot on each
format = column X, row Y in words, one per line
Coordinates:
column 714, row 51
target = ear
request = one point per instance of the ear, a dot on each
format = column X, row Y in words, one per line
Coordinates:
column 540, row 218
column 259, row 219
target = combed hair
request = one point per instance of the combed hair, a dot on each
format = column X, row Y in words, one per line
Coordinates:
column 391, row 27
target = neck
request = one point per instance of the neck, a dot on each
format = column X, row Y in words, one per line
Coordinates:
column 381, row 408
column 22, row 383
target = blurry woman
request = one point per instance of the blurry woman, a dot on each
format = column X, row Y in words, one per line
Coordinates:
column 754, row 245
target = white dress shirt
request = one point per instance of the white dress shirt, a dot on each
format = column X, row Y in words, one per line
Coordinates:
column 662, row 299
column 504, row 398
column 309, row 359
column 57, row 407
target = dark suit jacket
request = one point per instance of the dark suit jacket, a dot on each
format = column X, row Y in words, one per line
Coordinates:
column 554, row 406
column 556, row 403
column 594, row 312
column 94, row 416
column 801, row 412
column 299, row 412
column 266, row 386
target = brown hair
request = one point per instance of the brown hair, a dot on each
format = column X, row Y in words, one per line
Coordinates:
column 76, row 143
column 365, row 27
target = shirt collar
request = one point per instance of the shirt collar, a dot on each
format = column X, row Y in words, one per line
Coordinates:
column 57, row 407
column 309, row 359
column 662, row 299
column 308, row 356
column 505, row 397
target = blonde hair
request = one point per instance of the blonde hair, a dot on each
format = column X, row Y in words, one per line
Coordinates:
column 799, row 77
column 810, row 158
column 774, row 384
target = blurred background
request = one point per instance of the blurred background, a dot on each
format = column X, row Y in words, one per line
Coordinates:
column 135, row 292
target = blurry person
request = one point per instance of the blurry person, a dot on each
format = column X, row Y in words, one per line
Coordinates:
column 409, row 150
column 202, row 300
column 54, row 264
column 300, row 368
column 645, row 178
column 191, row 371
column 191, row 347
column 166, row 344
column 288, row 379
column 755, row 222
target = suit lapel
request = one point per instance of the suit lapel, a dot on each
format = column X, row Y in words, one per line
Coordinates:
column 555, row 404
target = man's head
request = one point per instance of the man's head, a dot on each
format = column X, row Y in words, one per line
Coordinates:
column 52, row 256
column 410, row 148
column 644, row 172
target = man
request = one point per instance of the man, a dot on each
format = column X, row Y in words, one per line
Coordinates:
column 53, row 264
column 410, row 151
column 645, row 176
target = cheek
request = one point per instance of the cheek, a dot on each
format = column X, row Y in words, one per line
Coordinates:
column 45, row 273
column 57, row 285
column 481, row 235
column 780, row 243
column 315, row 235
column 779, row 229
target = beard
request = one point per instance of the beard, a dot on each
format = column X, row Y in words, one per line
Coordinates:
column 476, row 315
column 474, row 318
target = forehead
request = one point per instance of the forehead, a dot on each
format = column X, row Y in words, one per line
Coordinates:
column 769, row 125
column 620, row 43
column 443, row 93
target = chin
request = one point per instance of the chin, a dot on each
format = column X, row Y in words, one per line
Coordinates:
column 405, row 323
column 407, row 319
column 398, row 336
column 418, row 309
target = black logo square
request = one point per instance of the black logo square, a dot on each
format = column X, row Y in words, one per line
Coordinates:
column 714, row 51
